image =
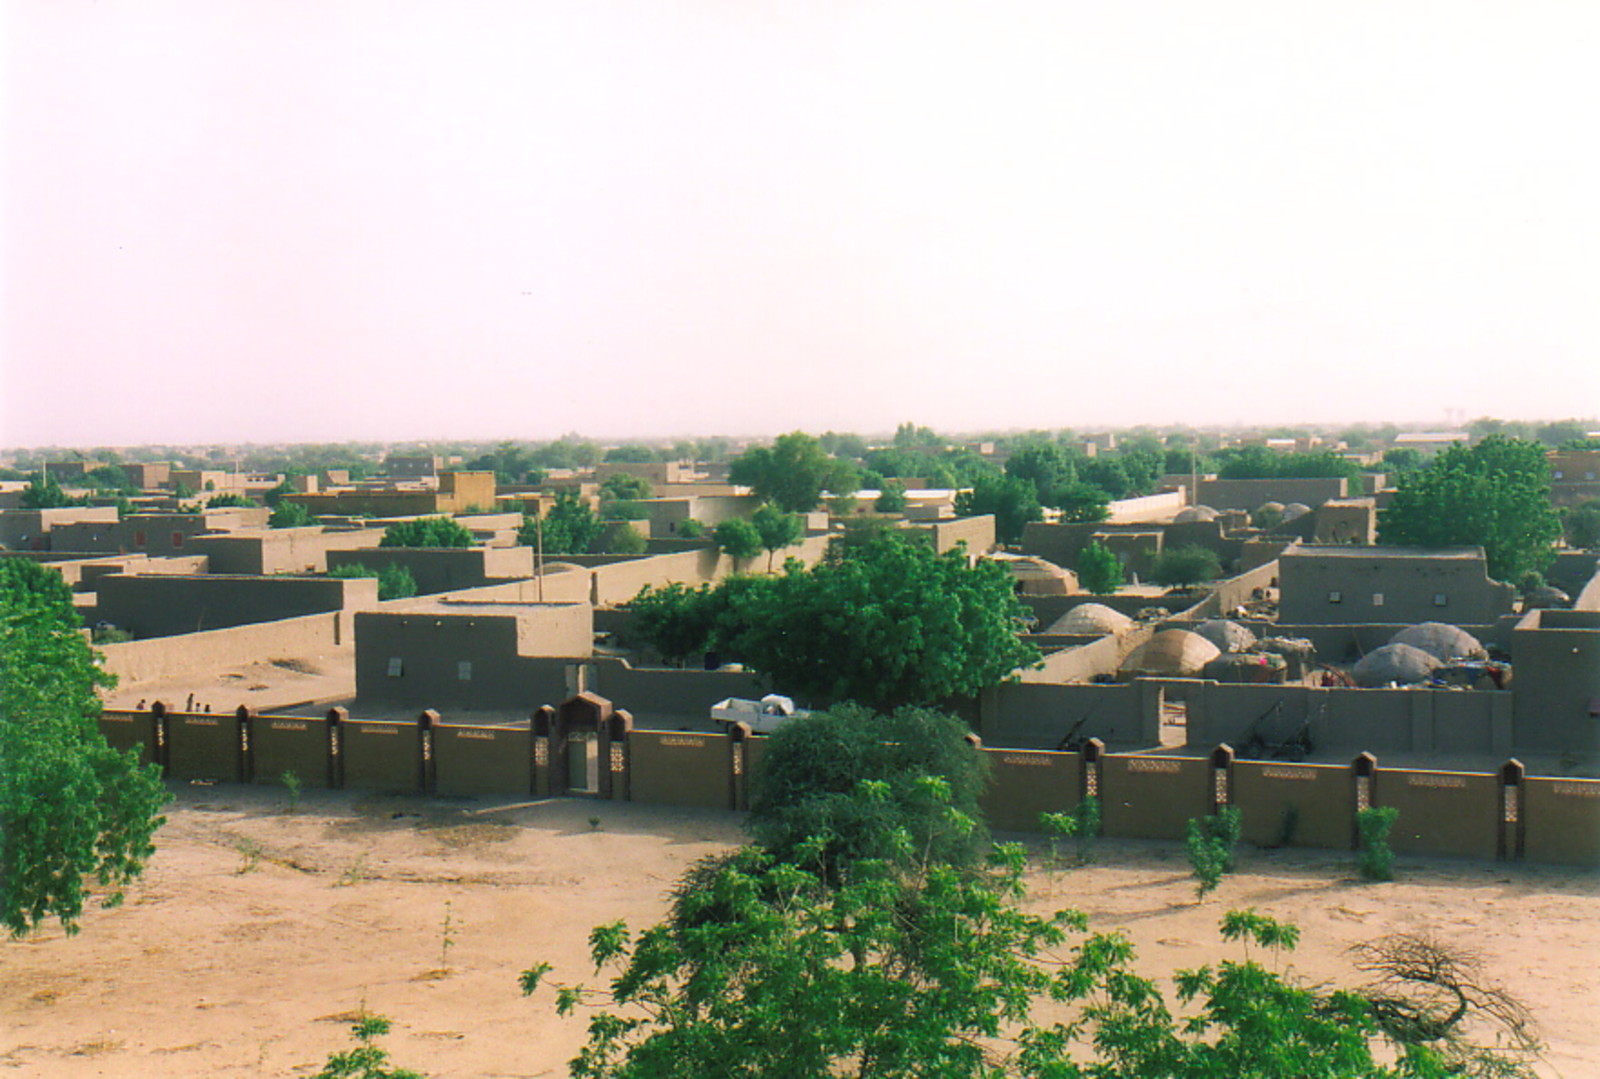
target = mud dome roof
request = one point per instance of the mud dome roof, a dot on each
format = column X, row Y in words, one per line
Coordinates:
column 1228, row 636
column 1195, row 513
column 1090, row 618
column 1443, row 642
column 1172, row 653
column 1401, row 664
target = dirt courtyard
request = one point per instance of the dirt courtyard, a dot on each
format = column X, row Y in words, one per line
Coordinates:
column 256, row 933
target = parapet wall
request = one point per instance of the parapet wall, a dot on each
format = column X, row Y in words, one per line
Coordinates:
column 201, row 655
column 585, row 747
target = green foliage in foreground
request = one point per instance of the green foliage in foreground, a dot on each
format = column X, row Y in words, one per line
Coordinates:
column 912, row 969
column 76, row 816
column 926, row 780
column 367, row 1060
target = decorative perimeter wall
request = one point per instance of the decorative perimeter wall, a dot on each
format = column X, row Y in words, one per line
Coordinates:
column 586, row 748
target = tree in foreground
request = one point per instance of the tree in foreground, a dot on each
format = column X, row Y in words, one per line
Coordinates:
column 890, row 624
column 1494, row 495
column 426, row 532
column 808, row 788
column 1098, row 569
column 76, row 816
column 912, row 968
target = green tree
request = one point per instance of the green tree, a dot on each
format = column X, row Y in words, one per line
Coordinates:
column 632, row 453
column 1012, row 501
column 569, row 528
column 622, row 487
column 1048, row 466
column 892, row 499
column 911, row 968
column 1188, row 565
column 674, row 619
column 290, row 515
column 891, row 624
column 626, row 539
column 274, row 497
column 426, row 532
column 1082, row 503
column 1494, row 495
column 776, row 529
column 44, row 493
column 1581, row 524
column 76, row 816
column 394, row 582
column 793, row 472
column 808, row 790
column 1098, row 569
column 230, row 498
column 738, row 539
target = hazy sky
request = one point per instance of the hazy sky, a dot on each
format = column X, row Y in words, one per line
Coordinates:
column 327, row 219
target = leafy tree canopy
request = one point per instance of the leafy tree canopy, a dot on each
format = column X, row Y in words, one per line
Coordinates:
column 1494, row 494
column 911, row 967
column 891, row 624
column 76, row 816
column 1259, row 462
column 624, row 487
column 1098, row 569
column 1012, row 500
column 426, row 532
column 394, row 582
column 44, row 493
column 1581, row 524
column 892, row 499
column 569, row 528
column 633, row 453
column 290, row 515
column 793, row 472
column 1188, row 565
column 738, row 538
column 626, row 539
column 809, row 786
column 776, row 530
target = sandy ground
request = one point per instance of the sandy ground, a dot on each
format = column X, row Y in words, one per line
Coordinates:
column 257, row 932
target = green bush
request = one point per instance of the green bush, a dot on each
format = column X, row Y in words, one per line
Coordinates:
column 290, row 515
column 1210, row 842
column 426, row 532
column 1188, row 565
column 394, row 582
column 1098, row 569
column 1377, row 859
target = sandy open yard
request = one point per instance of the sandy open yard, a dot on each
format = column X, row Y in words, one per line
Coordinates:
column 256, row 932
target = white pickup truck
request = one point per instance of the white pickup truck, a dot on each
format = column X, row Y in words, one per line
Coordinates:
column 763, row 716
